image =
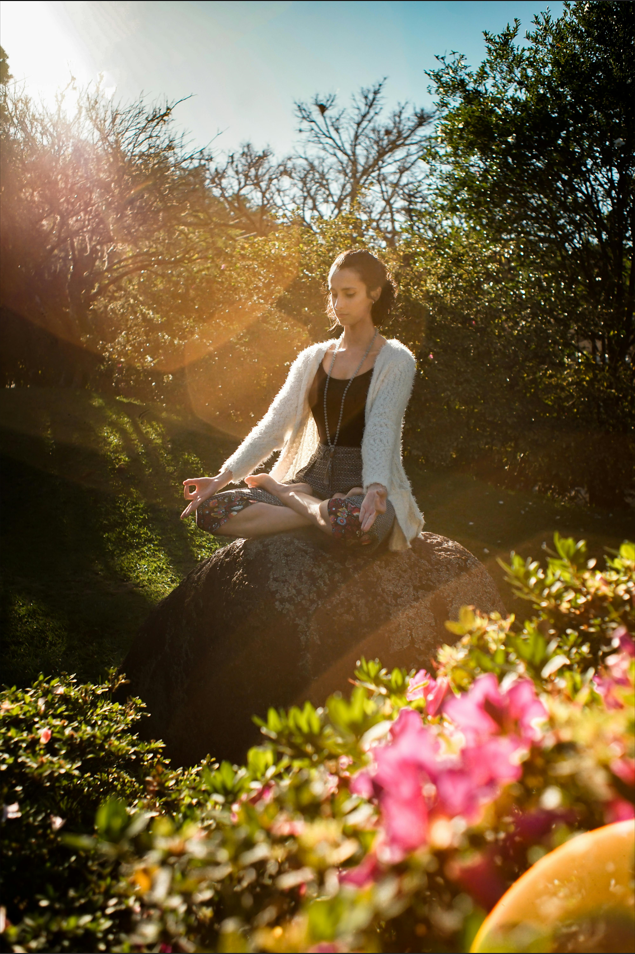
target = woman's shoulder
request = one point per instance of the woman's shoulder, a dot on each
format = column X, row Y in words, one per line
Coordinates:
column 318, row 346
column 395, row 352
column 308, row 353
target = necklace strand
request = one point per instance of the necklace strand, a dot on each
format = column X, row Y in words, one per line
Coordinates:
column 326, row 388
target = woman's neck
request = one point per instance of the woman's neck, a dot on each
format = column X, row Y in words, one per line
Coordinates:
column 357, row 337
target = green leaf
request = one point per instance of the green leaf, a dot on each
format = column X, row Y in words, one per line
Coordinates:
column 112, row 820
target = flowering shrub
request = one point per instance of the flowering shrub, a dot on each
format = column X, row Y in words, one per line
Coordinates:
column 392, row 820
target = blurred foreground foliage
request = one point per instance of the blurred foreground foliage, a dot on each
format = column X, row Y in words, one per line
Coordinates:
column 389, row 821
column 132, row 262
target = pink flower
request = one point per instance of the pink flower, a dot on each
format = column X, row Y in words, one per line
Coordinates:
column 616, row 671
column 403, row 767
column 623, row 641
column 624, row 768
column 283, row 826
column 484, row 768
column 45, row 736
column 363, row 875
column 265, row 794
column 418, row 786
column 423, row 686
column 362, row 784
column 480, row 877
column 605, row 687
column 618, row 809
column 484, row 710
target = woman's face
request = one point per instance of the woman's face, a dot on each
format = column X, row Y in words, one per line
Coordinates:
column 350, row 299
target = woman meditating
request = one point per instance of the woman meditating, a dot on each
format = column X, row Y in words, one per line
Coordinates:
column 337, row 421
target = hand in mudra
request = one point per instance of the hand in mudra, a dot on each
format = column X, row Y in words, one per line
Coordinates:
column 374, row 502
column 198, row 489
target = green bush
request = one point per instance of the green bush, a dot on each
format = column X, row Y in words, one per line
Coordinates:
column 392, row 820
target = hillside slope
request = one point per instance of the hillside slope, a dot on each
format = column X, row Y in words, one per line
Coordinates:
column 91, row 537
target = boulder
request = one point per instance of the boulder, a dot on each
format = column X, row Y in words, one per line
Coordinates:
column 277, row 620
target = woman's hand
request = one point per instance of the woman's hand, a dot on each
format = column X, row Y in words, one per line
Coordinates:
column 374, row 502
column 198, row 489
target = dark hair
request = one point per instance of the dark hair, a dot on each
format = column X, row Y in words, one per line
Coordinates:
column 374, row 274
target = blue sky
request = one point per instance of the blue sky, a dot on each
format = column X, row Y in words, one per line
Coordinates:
column 246, row 62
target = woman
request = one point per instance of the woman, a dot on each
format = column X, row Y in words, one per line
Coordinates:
column 338, row 421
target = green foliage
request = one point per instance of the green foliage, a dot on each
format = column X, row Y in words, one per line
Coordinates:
column 279, row 854
column 576, row 609
column 65, row 749
column 5, row 74
column 522, row 258
column 511, row 241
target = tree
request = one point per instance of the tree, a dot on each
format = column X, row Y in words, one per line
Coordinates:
column 352, row 161
column 5, row 75
column 253, row 189
column 534, row 162
column 91, row 198
column 358, row 157
column 541, row 146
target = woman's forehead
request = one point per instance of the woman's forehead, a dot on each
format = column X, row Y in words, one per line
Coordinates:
column 344, row 278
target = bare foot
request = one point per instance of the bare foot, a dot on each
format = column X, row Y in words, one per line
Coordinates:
column 263, row 482
column 266, row 482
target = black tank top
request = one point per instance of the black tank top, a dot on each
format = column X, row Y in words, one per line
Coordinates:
column 354, row 416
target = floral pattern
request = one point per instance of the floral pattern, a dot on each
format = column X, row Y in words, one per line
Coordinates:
column 213, row 513
column 344, row 516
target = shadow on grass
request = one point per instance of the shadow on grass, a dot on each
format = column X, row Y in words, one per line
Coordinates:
column 91, row 535
column 491, row 522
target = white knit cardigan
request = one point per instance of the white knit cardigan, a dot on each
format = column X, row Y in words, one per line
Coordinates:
column 289, row 425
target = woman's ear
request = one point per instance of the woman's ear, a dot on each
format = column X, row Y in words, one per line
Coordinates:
column 375, row 294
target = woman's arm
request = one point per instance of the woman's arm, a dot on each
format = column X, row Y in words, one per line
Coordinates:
column 270, row 432
column 264, row 438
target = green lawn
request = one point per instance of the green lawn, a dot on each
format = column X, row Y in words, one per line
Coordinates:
column 92, row 540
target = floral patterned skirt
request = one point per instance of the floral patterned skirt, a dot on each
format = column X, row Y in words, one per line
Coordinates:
column 344, row 473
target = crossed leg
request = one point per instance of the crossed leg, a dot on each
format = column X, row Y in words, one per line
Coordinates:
column 296, row 498
column 260, row 519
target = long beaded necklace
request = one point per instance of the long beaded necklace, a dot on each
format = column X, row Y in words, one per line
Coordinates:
column 339, row 421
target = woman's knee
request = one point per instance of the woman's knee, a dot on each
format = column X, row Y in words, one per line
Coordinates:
column 343, row 517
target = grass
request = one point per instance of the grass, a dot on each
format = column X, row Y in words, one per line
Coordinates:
column 91, row 537
column 492, row 522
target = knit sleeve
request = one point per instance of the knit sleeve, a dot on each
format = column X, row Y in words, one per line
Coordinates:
column 270, row 432
column 382, row 431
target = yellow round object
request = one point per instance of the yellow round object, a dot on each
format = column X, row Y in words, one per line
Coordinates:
column 580, row 897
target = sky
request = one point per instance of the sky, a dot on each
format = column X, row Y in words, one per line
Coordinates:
column 245, row 62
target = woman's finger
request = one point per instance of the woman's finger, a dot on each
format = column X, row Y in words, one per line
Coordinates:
column 368, row 521
column 367, row 514
column 191, row 507
column 190, row 488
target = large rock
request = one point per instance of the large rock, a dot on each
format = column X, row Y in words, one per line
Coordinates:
column 277, row 620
